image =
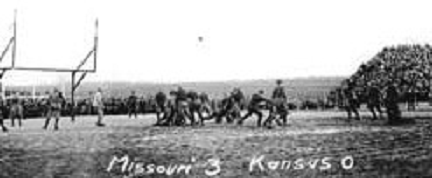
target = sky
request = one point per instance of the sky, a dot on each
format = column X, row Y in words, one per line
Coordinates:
column 158, row 41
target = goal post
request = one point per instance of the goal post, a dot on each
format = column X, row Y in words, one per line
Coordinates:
column 78, row 70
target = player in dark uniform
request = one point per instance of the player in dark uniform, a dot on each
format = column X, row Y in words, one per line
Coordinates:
column 132, row 104
column 254, row 107
column 181, row 107
column 222, row 109
column 238, row 97
column 206, row 110
column 170, row 112
column 278, row 106
column 16, row 110
column 339, row 98
column 391, row 102
column 235, row 105
column 231, row 109
column 374, row 100
column 55, row 102
column 89, row 104
column 45, row 105
column 2, row 109
column 205, row 101
column 142, row 103
column 161, row 104
column 351, row 102
column 194, row 106
column 168, row 109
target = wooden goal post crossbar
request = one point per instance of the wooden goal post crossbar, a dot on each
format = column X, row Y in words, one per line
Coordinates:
column 78, row 70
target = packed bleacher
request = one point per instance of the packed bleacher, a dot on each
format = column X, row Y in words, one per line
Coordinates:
column 407, row 67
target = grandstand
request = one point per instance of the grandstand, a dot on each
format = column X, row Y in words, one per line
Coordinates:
column 407, row 66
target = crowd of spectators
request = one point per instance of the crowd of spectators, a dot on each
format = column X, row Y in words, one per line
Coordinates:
column 407, row 67
column 37, row 106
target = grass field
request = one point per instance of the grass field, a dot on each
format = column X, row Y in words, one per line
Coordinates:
column 313, row 141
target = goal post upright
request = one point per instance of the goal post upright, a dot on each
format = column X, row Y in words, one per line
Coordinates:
column 76, row 83
column 14, row 37
column 12, row 41
column 96, row 41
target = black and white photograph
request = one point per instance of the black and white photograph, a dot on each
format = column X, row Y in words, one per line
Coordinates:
column 215, row 89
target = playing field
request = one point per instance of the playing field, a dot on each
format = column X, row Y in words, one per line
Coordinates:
column 315, row 144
